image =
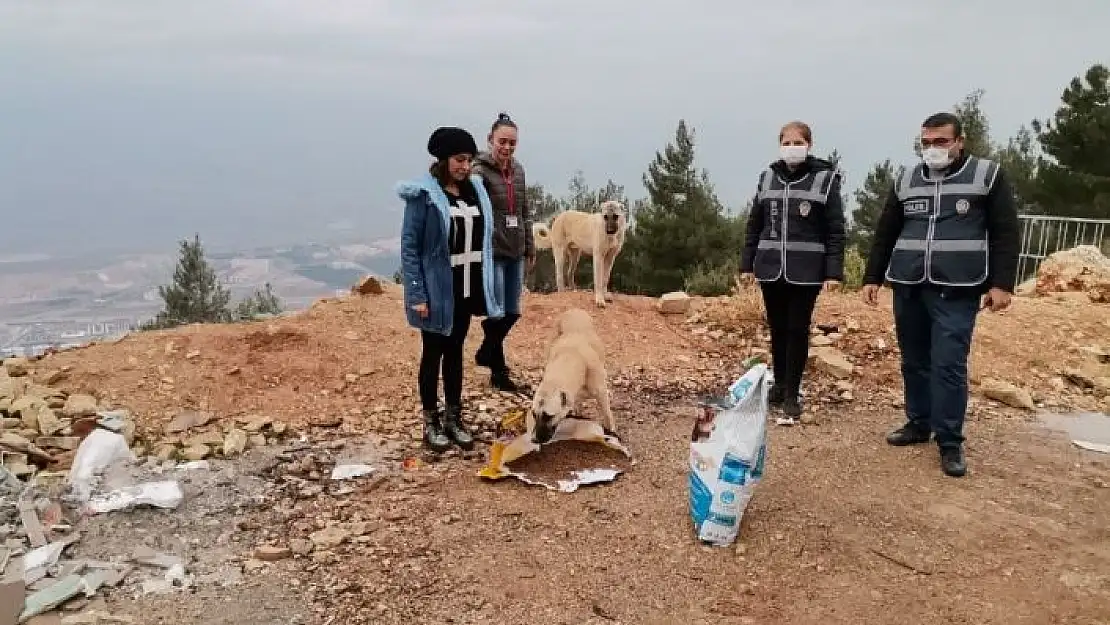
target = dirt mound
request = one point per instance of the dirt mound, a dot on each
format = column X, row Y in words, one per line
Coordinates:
column 349, row 364
column 1084, row 269
column 350, row 361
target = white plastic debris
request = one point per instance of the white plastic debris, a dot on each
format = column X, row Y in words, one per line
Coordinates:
column 158, row 494
column 1101, row 448
column 114, row 420
column 350, row 471
column 100, row 450
column 195, row 465
column 46, row 555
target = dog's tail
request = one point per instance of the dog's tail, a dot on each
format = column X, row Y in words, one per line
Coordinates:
column 541, row 236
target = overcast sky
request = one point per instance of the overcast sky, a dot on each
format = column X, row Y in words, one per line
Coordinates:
column 127, row 124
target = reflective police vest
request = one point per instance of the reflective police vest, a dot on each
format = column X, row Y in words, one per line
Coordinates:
column 944, row 236
column 792, row 243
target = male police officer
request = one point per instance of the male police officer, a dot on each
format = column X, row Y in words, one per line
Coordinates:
column 947, row 235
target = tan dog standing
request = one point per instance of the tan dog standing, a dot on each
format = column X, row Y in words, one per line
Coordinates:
column 575, row 367
column 573, row 233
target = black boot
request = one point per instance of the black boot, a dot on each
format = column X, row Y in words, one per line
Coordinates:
column 486, row 355
column 952, row 461
column 792, row 406
column 777, row 395
column 434, row 437
column 908, row 434
column 501, row 378
column 452, row 424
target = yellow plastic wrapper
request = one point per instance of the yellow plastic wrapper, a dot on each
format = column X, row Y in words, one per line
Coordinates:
column 580, row 453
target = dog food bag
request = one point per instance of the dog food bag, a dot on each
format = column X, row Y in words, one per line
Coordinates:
column 727, row 452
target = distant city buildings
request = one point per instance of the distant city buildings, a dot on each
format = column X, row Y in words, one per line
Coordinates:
column 34, row 338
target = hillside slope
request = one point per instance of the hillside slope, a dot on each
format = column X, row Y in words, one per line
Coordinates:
column 844, row 529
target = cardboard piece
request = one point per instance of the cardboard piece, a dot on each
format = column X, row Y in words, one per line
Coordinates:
column 503, row 453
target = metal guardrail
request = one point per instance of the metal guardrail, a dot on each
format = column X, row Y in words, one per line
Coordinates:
column 1042, row 235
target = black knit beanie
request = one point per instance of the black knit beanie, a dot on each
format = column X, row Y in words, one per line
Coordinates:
column 449, row 141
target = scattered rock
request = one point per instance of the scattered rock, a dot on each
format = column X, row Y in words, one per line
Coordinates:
column 257, row 423
column 16, row 366
column 188, row 419
column 831, row 361
column 272, row 553
column 196, row 452
column 79, row 406
column 49, row 423
column 330, row 537
column 1007, row 393
column 165, row 451
column 820, row 341
column 675, row 303
column 235, row 442
column 368, row 285
column 68, row 443
column 301, row 546
column 53, row 377
column 27, row 409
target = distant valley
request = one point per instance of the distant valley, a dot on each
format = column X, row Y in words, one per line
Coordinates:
column 47, row 301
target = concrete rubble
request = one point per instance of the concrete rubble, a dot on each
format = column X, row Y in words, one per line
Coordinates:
column 53, row 447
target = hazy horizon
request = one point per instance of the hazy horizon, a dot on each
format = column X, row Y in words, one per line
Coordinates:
column 128, row 125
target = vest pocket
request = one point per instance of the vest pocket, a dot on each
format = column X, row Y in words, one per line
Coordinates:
column 907, row 265
column 768, row 261
column 963, row 268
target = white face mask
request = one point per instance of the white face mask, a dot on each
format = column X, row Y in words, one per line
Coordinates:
column 936, row 158
column 793, row 154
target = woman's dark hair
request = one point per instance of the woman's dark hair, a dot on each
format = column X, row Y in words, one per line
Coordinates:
column 439, row 172
column 503, row 119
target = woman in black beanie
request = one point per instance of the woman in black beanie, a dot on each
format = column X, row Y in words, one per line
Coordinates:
column 448, row 272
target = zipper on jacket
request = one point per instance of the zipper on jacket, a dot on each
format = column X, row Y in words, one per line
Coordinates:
column 931, row 230
column 785, row 224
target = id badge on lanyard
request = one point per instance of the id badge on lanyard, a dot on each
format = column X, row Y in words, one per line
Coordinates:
column 511, row 219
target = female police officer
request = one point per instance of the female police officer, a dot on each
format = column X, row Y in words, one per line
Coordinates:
column 794, row 246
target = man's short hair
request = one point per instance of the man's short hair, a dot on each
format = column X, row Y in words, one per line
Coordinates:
column 940, row 120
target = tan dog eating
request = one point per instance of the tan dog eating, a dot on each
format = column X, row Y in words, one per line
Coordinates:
column 575, row 368
column 573, row 233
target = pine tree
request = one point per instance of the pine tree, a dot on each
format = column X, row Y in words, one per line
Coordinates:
column 870, row 199
column 682, row 232
column 196, row 295
column 262, row 302
column 1074, row 179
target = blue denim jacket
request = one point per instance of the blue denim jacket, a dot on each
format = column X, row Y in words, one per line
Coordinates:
column 426, row 259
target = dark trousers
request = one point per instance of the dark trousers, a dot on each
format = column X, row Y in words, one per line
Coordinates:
column 446, row 352
column 789, row 315
column 934, row 333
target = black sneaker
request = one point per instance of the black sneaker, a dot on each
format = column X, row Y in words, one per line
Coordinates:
column 792, row 407
column 908, row 435
column 952, row 461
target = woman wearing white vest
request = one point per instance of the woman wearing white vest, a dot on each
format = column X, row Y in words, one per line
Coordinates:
column 794, row 246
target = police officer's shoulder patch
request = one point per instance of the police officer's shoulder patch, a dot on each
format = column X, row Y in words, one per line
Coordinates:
column 804, row 208
column 963, row 206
